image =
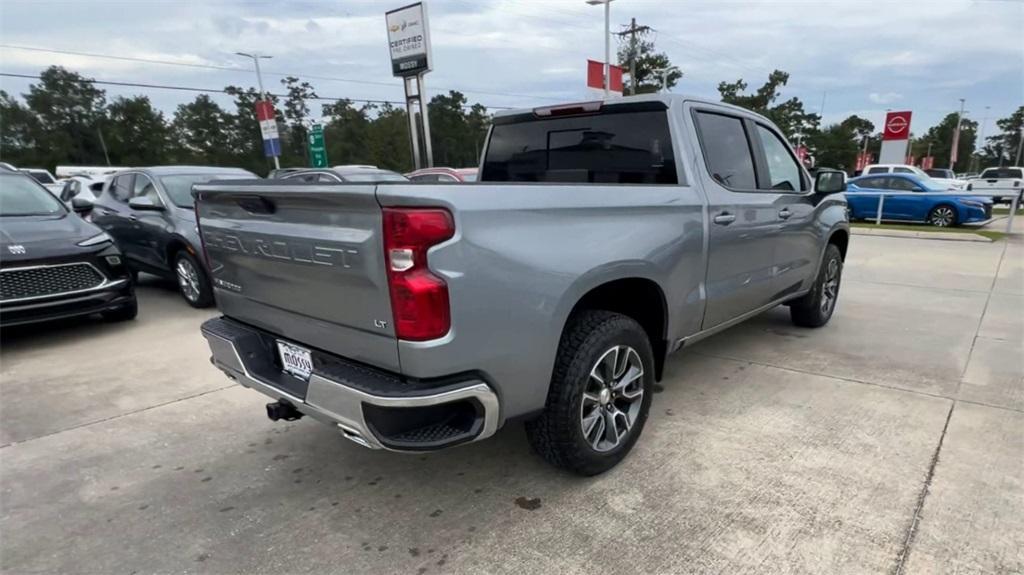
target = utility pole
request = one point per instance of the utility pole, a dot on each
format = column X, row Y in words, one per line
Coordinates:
column 976, row 157
column 99, row 129
column 1020, row 145
column 956, row 136
column 632, row 31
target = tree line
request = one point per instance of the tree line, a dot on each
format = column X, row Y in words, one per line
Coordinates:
column 65, row 118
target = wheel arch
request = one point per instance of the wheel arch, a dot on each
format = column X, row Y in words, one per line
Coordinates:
column 640, row 298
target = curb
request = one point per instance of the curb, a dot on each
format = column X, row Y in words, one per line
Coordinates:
column 942, row 236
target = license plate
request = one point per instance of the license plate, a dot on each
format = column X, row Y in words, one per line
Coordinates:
column 296, row 360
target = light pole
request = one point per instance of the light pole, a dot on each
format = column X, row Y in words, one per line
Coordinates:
column 607, row 41
column 664, row 72
column 259, row 81
column 956, row 136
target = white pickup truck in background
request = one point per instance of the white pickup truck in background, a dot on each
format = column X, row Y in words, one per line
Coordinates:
column 993, row 180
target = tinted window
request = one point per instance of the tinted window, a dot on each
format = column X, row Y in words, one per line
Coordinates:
column 144, row 188
column 726, row 150
column 41, row 177
column 901, row 184
column 782, row 167
column 878, row 171
column 874, row 183
column 948, row 174
column 426, row 178
column 613, row 148
column 121, row 188
column 20, row 196
column 902, row 171
column 1002, row 173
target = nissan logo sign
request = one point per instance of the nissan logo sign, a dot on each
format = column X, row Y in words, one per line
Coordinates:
column 897, row 124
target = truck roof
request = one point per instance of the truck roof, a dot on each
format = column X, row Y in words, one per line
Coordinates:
column 667, row 99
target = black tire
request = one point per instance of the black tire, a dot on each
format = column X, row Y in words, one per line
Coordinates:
column 558, row 434
column 943, row 216
column 198, row 292
column 124, row 313
column 810, row 310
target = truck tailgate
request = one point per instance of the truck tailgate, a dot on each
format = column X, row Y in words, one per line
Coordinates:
column 303, row 261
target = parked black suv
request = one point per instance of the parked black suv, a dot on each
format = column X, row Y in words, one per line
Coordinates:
column 148, row 212
column 54, row 264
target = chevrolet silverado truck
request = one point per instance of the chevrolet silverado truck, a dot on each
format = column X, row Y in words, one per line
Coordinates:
column 601, row 237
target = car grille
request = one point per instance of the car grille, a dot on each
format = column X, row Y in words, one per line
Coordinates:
column 33, row 282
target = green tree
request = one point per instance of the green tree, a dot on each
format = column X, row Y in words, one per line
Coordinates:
column 941, row 138
column 68, row 110
column 296, row 113
column 388, row 139
column 1001, row 149
column 789, row 115
column 456, row 135
column 18, row 129
column 648, row 64
column 203, row 131
column 345, row 133
column 136, row 134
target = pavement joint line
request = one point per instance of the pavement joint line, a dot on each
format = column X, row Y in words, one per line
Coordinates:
column 981, row 320
column 857, row 381
column 117, row 416
column 908, row 542
column 900, row 284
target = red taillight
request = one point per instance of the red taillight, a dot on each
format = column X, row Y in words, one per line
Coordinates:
column 419, row 298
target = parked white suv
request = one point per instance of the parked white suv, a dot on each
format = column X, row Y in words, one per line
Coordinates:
column 908, row 169
column 1010, row 180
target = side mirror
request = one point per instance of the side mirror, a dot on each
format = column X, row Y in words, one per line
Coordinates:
column 144, row 204
column 829, row 181
column 80, row 205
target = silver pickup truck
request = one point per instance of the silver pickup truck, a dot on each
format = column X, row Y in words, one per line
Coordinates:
column 600, row 238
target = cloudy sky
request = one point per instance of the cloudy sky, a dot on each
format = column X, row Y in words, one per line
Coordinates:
column 856, row 57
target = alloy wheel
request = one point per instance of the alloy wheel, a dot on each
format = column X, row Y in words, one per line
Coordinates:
column 612, row 398
column 943, row 216
column 830, row 286
column 188, row 279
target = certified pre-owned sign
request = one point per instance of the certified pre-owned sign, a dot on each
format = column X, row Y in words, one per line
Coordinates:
column 409, row 40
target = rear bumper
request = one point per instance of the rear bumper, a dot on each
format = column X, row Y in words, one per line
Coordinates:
column 373, row 408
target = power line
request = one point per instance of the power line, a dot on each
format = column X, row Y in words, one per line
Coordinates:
column 239, row 69
column 222, row 91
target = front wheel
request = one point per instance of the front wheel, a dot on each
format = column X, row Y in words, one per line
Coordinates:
column 942, row 216
column 815, row 308
column 192, row 282
column 600, row 394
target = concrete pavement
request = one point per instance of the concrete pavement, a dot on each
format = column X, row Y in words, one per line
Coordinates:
column 889, row 441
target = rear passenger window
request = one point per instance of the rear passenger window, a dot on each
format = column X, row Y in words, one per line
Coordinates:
column 726, row 150
column 121, row 189
column 902, row 171
column 628, row 147
column 878, row 171
column 783, row 170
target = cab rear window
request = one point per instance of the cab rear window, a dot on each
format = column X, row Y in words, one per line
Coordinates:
column 606, row 148
column 1002, row 173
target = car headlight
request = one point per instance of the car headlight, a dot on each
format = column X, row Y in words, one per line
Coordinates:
column 99, row 238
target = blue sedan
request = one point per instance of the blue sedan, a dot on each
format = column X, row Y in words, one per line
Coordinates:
column 914, row 199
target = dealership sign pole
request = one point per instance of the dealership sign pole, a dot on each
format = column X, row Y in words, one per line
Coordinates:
column 895, row 138
column 409, row 43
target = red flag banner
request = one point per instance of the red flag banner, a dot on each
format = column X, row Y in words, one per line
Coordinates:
column 595, row 76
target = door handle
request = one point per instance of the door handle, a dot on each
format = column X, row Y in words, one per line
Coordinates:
column 133, row 218
column 784, row 213
column 724, row 219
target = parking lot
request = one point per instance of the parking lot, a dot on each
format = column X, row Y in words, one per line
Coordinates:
column 890, row 441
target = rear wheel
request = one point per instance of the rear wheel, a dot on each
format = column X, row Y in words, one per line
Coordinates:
column 816, row 308
column 600, row 394
column 192, row 282
column 943, row 216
